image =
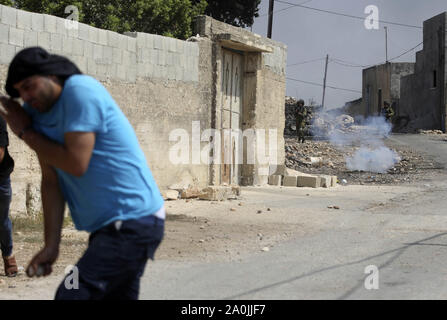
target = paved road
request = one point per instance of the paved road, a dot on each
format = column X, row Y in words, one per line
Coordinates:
column 400, row 230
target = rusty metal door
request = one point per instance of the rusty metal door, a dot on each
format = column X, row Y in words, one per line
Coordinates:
column 231, row 115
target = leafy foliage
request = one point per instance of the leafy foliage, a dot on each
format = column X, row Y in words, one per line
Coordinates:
column 165, row 17
column 240, row 13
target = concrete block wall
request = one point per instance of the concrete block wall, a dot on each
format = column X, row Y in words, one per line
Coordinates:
column 166, row 58
column 100, row 53
column 154, row 79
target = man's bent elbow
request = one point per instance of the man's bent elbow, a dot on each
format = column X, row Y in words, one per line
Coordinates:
column 79, row 170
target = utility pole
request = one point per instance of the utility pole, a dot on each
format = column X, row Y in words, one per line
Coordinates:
column 386, row 44
column 324, row 85
column 269, row 31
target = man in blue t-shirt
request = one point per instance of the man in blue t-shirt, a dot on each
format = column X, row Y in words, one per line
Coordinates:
column 90, row 159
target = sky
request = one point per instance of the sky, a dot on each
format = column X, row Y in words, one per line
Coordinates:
column 311, row 35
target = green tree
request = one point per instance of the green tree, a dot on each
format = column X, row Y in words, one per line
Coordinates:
column 165, row 17
column 6, row 2
column 240, row 13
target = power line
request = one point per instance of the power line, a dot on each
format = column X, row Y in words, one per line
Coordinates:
column 347, row 15
column 283, row 9
column 304, row 62
column 321, row 85
column 406, row 52
column 354, row 65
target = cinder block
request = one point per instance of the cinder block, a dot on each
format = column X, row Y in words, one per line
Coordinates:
column 275, row 180
column 9, row 16
column 67, row 45
column 56, row 42
column 219, row 193
column 78, row 47
column 122, row 42
column 171, row 72
column 117, row 56
column 88, row 49
column 24, row 21
column 7, row 52
column 132, row 44
column 334, row 181
column 93, row 34
column 73, row 32
column 4, row 33
column 16, row 36
column 81, row 63
column 37, row 22
column 49, row 23
column 159, row 43
column 149, row 41
column 61, row 27
column 111, row 71
column 161, row 58
column 43, row 39
column 178, row 73
column 107, row 53
column 325, row 181
column 83, row 31
column 102, row 37
column 312, row 181
column 91, row 67
column 112, row 39
column 170, row 44
column 131, row 75
column 97, row 52
column 121, row 71
column 30, row 39
column 289, row 181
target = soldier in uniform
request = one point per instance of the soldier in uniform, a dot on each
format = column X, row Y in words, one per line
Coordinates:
column 301, row 115
column 388, row 111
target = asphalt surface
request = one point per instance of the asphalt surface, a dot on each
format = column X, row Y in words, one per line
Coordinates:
column 400, row 230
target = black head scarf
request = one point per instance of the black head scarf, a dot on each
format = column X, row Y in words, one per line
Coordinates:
column 36, row 61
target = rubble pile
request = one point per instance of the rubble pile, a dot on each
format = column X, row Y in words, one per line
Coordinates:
column 325, row 125
column 320, row 157
column 420, row 131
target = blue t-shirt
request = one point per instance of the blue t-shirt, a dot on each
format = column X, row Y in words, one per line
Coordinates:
column 118, row 184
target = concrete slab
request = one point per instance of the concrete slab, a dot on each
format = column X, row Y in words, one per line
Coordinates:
column 309, row 181
column 325, row 181
column 275, row 180
column 290, row 181
column 334, row 181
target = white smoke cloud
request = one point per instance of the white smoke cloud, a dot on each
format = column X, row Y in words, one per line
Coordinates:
column 372, row 155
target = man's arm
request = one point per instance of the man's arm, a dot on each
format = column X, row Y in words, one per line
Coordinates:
column 2, row 153
column 72, row 157
column 53, row 211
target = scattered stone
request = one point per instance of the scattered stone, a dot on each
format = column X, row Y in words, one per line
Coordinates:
column 268, row 209
column 170, row 194
column 265, row 249
column 201, row 241
column 259, row 211
column 232, row 209
column 18, row 233
column 240, row 204
column 202, row 227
